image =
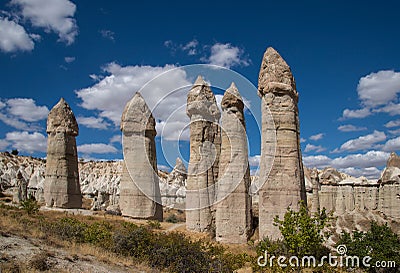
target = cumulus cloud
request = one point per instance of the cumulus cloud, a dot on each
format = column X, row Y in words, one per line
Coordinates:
column 27, row 142
column 165, row 95
column 26, row 109
column 317, row 136
column 363, row 142
column 227, row 55
column 116, row 139
column 369, row 159
column 366, row 164
column 93, row 122
column 54, row 16
column 351, row 128
column 393, row 123
column 13, row 37
column 392, row 145
column 378, row 93
column 302, row 140
column 370, row 172
column 315, row 148
column 360, row 113
column 97, row 148
column 22, row 113
column 4, row 144
column 379, row 88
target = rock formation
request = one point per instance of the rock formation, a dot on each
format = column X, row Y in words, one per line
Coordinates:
column 139, row 189
column 21, row 193
column 205, row 144
column 233, row 210
column 173, row 186
column 284, row 185
column 61, row 187
column 315, row 205
column 389, row 191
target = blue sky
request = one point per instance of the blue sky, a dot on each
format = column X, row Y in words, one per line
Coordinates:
column 344, row 56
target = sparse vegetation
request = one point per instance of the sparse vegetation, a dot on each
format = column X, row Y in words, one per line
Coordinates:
column 302, row 235
column 143, row 243
column 14, row 152
column 380, row 243
column 30, row 205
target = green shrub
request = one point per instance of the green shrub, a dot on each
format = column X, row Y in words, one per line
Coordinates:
column 380, row 243
column 98, row 233
column 154, row 224
column 67, row 229
column 172, row 219
column 30, row 205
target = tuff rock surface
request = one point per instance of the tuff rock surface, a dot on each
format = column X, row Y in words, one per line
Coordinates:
column 61, row 186
column 233, row 211
column 284, row 184
column 139, row 187
column 203, row 166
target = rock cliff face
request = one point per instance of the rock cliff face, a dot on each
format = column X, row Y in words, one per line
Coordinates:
column 203, row 166
column 139, row 189
column 283, row 186
column 233, row 210
column 62, row 188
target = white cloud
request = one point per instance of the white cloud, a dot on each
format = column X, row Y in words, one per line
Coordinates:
column 227, row 56
column 351, row 128
column 165, row 95
column 360, row 113
column 318, row 161
column 190, row 47
column 392, row 145
column 54, row 16
column 93, row 122
column 379, row 88
column 116, row 139
column 254, row 161
column 363, row 142
column 369, row 159
column 377, row 93
column 393, row 123
column 354, row 164
column 302, row 140
column 370, row 172
column 13, row 37
column 26, row 142
column 4, row 144
column 163, row 168
column 317, row 136
column 107, row 34
column 310, row 148
column 97, row 148
column 69, row 59
column 26, row 109
column 22, row 113
column 394, row 132
column 392, row 109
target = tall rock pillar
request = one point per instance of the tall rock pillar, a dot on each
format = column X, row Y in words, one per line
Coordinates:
column 139, row 187
column 61, row 186
column 284, row 185
column 203, row 166
column 233, row 210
